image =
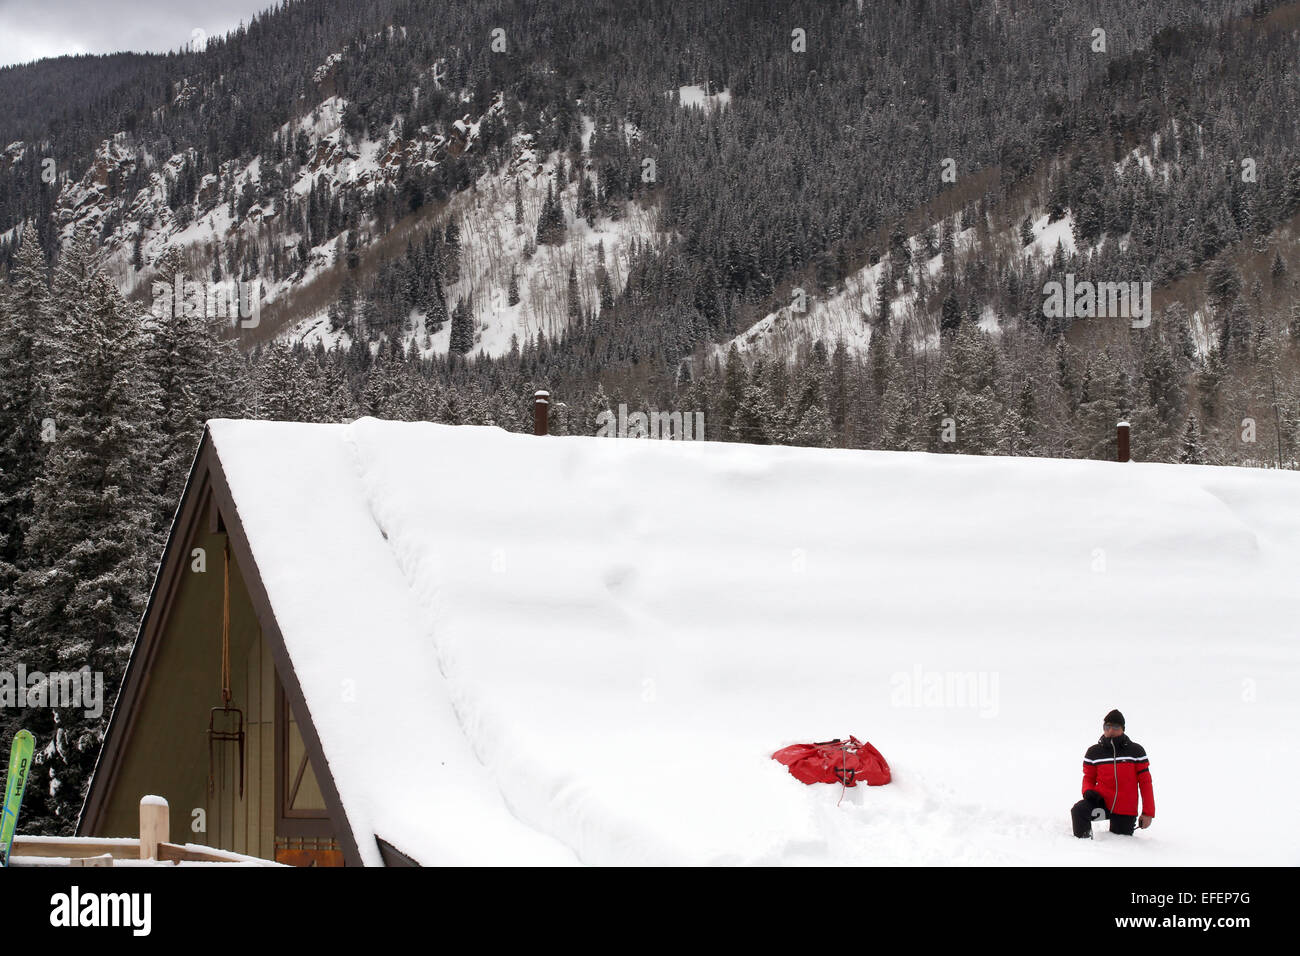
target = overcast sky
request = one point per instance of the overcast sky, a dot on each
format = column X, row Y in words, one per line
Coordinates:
column 32, row 29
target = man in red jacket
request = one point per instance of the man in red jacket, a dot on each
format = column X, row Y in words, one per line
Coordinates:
column 1115, row 770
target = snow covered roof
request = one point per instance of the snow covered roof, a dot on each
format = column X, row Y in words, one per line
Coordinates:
column 555, row 650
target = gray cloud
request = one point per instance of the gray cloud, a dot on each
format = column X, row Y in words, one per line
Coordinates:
column 33, row 29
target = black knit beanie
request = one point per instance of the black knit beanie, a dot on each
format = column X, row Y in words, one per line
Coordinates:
column 1114, row 717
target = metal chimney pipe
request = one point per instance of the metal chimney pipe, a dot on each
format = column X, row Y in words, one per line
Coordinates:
column 1121, row 436
column 541, row 406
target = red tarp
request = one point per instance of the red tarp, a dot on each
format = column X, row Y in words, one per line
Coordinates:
column 836, row 761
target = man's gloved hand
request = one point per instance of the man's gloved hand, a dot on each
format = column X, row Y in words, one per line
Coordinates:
column 1098, row 813
column 1144, row 821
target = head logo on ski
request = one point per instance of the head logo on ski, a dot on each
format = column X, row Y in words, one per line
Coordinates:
column 20, row 762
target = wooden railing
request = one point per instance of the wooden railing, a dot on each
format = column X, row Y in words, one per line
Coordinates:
column 152, row 844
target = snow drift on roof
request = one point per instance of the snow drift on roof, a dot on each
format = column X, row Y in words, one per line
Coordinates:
column 546, row 650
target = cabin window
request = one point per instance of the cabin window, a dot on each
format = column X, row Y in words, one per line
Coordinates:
column 301, row 804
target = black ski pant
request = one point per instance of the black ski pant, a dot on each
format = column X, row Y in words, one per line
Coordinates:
column 1082, row 816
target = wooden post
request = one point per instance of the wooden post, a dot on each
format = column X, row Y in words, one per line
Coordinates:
column 541, row 405
column 154, row 826
column 1121, row 435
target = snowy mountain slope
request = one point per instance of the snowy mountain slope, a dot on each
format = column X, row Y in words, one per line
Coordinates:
column 144, row 219
column 847, row 311
column 493, row 245
column 624, row 642
column 220, row 226
column 139, row 225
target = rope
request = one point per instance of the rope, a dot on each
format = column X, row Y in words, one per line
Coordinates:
column 843, row 783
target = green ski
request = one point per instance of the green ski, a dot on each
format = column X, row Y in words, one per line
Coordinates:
column 20, row 761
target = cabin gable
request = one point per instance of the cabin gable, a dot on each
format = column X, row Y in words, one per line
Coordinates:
column 281, row 805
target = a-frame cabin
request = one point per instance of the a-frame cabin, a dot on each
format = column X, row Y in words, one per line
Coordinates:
column 282, row 610
column 208, row 664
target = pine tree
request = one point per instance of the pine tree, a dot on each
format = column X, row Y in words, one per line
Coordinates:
column 978, row 416
column 550, row 224
column 196, row 376
column 899, row 249
column 1223, row 283
column 604, row 290
column 435, row 307
column 1104, row 400
column 838, row 392
column 92, row 542
column 451, row 250
column 338, row 403
column 897, row 418
column 543, row 235
column 1234, row 332
column 347, row 302
column 599, row 405
column 388, row 392
column 880, row 359
column 281, row 392
column 884, row 294
column 813, row 429
column 951, row 317
column 462, row 329
column 755, row 418
column 586, row 199
column 574, row 299
column 1192, row 452
column 948, row 245
column 25, row 315
column 734, row 383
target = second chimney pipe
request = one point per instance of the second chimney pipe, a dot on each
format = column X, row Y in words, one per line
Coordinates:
column 541, row 405
column 1121, row 436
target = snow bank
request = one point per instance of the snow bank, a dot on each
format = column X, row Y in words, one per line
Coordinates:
column 588, row 648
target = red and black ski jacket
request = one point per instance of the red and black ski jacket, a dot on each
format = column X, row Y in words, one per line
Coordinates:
column 1117, row 768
